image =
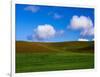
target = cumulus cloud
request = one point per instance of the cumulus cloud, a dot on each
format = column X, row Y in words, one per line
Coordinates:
column 88, row 31
column 82, row 23
column 42, row 33
column 33, row 9
column 82, row 39
column 45, row 31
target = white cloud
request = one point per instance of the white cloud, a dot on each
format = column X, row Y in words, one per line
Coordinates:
column 33, row 9
column 45, row 31
column 82, row 23
column 82, row 39
column 89, row 32
column 57, row 16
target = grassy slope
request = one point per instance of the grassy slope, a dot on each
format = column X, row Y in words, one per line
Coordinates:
column 32, row 57
column 52, row 47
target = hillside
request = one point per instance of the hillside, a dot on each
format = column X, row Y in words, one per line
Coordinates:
column 42, row 56
column 22, row 46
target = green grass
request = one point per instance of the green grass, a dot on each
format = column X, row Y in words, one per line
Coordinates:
column 52, row 57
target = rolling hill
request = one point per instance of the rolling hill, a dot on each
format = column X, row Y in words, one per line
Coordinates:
column 52, row 56
column 22, row 46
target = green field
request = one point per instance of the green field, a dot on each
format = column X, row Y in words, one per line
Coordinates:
column 39, row 56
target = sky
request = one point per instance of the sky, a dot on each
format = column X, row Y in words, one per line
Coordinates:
column 39, row 23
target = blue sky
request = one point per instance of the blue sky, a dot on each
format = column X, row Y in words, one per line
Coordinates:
column 53, row 23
